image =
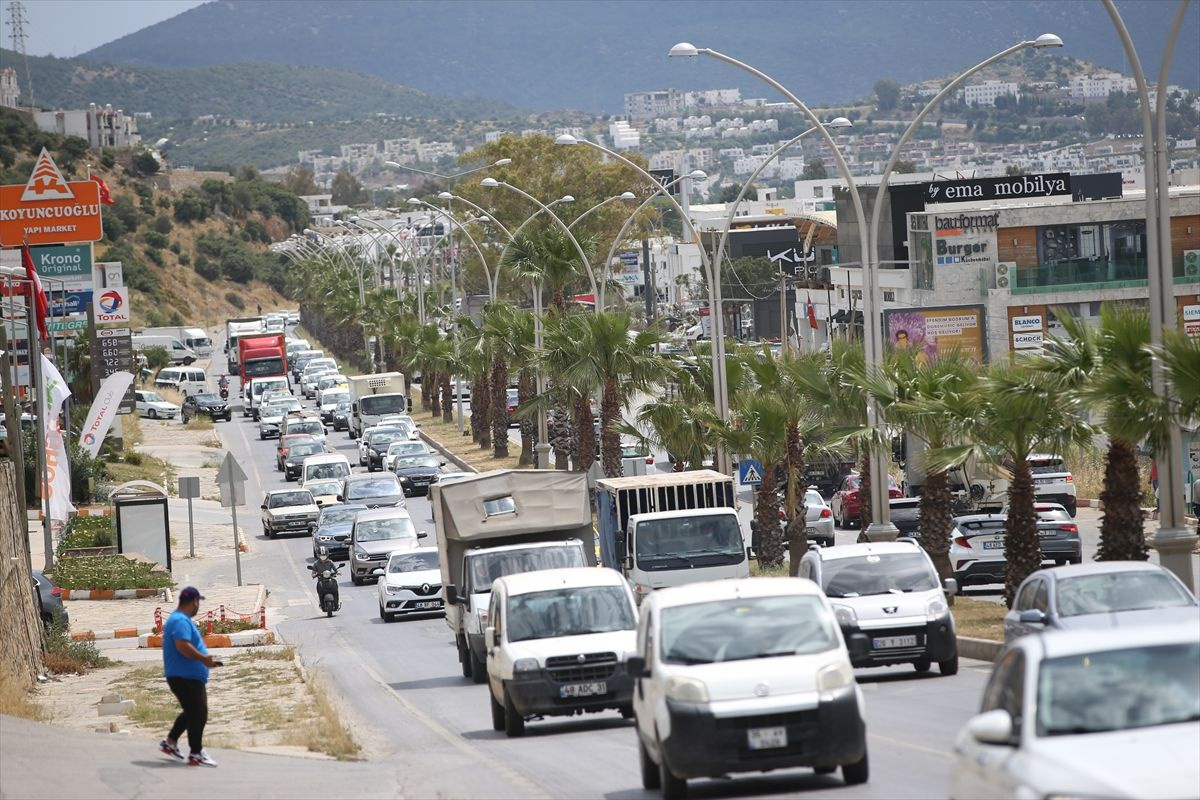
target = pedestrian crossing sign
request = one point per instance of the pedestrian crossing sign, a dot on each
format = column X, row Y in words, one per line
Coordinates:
column 750, row 471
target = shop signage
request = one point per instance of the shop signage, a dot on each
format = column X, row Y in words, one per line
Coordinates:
column 964, row 223
column 111, row 305
column 1032, row 322
column 60, row 304
column 1191, row 320
column 71, row 324
column 48, row 209
column 71, row 264
column 1004, row 188
column 112, row 350
column 1027, row 341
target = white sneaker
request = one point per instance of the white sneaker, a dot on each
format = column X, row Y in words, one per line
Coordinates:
column 201, row 759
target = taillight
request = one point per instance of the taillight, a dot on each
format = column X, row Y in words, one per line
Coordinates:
column 826, row 513
column 649, row 459
column 56, row 592
column 961, row 541
column 1070, row 479
column 1069, row 527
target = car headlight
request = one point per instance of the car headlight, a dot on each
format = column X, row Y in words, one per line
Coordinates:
column 526, row 665
column 359, row 552
column 324, row 537
column 833, row 677
column 844, row 614
column 405, row 479
column 687, row 690
column 935, row 608
column 389, row 589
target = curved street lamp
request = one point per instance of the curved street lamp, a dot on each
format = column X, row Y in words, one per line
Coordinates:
column 454, row 176
column 881, row 528
column 462, row 227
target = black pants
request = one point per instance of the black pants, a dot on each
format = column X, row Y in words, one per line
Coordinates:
column 193, row 697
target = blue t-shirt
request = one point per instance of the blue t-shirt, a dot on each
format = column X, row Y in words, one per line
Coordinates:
column 180, row 627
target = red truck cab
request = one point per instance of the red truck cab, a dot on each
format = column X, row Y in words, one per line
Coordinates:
column 262, row 356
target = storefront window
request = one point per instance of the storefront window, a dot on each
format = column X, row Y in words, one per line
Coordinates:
column 1092, row 253
column 921, row 244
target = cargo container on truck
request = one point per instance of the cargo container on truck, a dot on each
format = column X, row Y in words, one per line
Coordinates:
column 373, row 396
column 500, row 523
column 234, row 329
column 195, row 339
column 261, row 355
column 671, row 528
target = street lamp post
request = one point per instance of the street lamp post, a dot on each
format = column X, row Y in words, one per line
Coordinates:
column 1172, row 540
column 695, row 175
column 503, row 162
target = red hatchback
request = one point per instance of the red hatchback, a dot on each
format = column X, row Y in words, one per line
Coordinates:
column 845, row 503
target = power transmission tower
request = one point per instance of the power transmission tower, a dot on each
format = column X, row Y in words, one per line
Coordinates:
column 16, row 26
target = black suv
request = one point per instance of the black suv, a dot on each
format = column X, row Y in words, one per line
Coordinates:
column 206, row 403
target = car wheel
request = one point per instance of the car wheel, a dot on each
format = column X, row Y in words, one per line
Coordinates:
column 267, row 530
column 672, row 788
column 650, row 776
column 922, row 665
column 497, row 712
column 261, row 436
column 949, row 666
column 626, row 711
column 464, row 657
column 385, row 616
column 357, row 581
column 152, row 414
column 370, row 467
column 478, row 669
column 514, row 723
column 858, row 772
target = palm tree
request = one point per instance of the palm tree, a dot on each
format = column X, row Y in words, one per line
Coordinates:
column 1014, row 412
column 475, row 354
column 602, row 351
column 680, row 423
column 511, row 335
column 1108, row 367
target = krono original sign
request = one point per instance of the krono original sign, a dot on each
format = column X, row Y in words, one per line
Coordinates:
column 48, row 209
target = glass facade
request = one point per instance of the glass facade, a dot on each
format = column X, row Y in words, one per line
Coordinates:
column 1086, row 255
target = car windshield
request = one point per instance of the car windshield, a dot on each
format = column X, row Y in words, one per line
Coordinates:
column 487, row 566
column 382, row 439
column 207, row 398
column 152, row 397
column 742, row 628
column 406, row 448
column 312, row 428
column 260, row 387
column 417, row 461
column 569, row 612
column 334, row 469
column 413, row 562
column 379, row 487
column 335, row 398
column 323, row 488
column 272, row 365
column 291, row 499
column 279, row 409
column 334, row 516
column 1053, row 515
column 687, row 542
column 378, row 530
column 1119, row 591
column 1118, row 690
column 877, row 574
column 343, row 406
column 813, row 499
column 305, row 449
column 1047, row 466
column 383, row 404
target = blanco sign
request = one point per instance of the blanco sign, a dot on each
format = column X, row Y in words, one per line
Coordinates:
column 1027, row 341
column 1032, row 322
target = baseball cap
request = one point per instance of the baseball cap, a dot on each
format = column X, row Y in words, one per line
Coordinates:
column 189, row 594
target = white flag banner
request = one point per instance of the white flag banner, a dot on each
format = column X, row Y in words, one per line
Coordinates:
column 104, row 411
column 54, row 391
column 57, row 503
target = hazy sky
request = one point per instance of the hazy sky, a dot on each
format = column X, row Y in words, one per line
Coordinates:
column 70, row 27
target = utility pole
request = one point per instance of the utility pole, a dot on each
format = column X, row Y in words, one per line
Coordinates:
column 783, row 320
column 16, row 25
column 648, row 291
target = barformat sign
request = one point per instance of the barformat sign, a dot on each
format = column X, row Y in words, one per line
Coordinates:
column 49, row 209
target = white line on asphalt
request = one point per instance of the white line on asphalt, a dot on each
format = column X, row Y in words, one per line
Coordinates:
column 902, row 743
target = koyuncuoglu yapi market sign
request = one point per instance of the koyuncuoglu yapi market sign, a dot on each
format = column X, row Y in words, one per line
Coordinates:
column 48, row 209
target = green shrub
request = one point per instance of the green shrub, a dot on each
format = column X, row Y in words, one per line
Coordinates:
column 175, row 247
column 88, row 532
column 156, row 256
column 234, row 299
column 108, row 572
column 133, row 457
column 155, row 239
column 64, row 656
column 185, row 259
column 157, row 357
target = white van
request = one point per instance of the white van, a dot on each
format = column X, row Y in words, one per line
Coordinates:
column 198, row 340
column 186, row 380
column 254, row 392
column 177, row 350
column 326, row 467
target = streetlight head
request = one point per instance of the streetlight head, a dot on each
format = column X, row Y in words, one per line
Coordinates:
column 489, row 183
column 354, row 218
column 503, row 162
column 307, row 231
column 566, row 198
column 444, row 195
column 566, row 138
column 698, row 175
column 683, row 49
column 839, row 122
column 415, row 201
column 483, row 218
column 394, row 164
column 627, row 196
column 1047, row 40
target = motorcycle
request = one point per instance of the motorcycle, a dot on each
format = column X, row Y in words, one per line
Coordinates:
column 224, row 393
column 327, row 589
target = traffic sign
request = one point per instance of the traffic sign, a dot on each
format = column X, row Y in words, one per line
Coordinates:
column 750, row 472
column 232, row 480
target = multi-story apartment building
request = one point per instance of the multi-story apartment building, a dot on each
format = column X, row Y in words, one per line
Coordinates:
column 101, row 127
column 985, row 94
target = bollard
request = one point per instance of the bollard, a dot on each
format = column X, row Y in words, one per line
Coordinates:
column 158, row 621
column 210, row 623
column 222, row 613
column 262, row 617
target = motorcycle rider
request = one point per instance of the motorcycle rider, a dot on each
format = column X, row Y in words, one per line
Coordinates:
column 322, row 563
column 223, row 386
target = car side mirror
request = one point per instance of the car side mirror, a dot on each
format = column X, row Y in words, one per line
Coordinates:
column 749, row 553
column 341, row 499
column 1033, row 616
column 489, row 636
column 992, row 727
column 422, row 534
column 950, row 585
column 859, row 646
column 636, row 667
column 452, row 595
column 264, row 506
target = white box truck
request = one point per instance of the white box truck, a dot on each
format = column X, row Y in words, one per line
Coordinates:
column 500, row 523
column 235, row 328
column 373, row 396
column 193, row 338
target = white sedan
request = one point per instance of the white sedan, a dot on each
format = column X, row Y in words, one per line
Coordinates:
column 152, row 405
column 411, row 584
column 1111, row 713
column 818, row 521
column 270, row 415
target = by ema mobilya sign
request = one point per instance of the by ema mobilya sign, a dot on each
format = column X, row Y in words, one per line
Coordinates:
column 998, row 188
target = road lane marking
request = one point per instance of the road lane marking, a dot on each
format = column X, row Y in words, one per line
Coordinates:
column 919, row 748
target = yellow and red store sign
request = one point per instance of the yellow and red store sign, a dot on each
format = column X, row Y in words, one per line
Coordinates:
column 49, row 209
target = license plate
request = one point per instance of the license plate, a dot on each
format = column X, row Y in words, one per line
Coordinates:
column 428, row 604
column 298, row 524
column 766, row 738
column 1047, row 533
column 810, row 531
column 583, row 689
column 886, row 642
column 993, row 545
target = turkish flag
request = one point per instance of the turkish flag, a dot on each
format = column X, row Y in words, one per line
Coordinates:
column 811, row 311
column 105, row 197
column 38, row 297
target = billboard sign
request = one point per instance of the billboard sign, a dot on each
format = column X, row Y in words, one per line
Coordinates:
column 1191, row 318
column 931, row 332
column 111, row 305
column 71, row 264
column 48, row 209
column 1005, row 188
column 665, row 177
column 62, row 304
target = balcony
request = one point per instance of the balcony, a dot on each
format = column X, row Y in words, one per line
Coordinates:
column 1082, row 276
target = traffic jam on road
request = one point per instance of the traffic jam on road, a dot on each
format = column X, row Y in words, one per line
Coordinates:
column 1096, row 693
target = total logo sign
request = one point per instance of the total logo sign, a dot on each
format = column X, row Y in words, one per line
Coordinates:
column 111, row 304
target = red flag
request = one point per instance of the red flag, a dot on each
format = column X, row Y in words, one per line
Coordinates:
column 105, row 197
column 38, row 297
column 811, row 311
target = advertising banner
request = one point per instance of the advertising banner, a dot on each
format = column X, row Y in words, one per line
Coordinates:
column 104, row 411
column 57, row 503
column 61, row 304
column 1189, row 314
column 71, row 264
column 935, row 331
column 48, row 209
column 111, row 305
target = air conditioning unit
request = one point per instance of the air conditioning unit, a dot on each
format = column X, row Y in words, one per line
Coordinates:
column 1005, row 272
column 1191, row 264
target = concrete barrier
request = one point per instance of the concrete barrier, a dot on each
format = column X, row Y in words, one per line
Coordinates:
column 238, row 639
column 979, row 649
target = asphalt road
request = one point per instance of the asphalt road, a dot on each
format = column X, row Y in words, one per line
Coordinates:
column 404, row 694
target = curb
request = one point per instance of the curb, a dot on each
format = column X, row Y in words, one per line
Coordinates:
column 978, row 649
column 111, row 594
column 115, row 633
column 436, row 445
column 239, row 639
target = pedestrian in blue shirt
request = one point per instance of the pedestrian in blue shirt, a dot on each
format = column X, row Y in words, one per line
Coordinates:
column 186, row 663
